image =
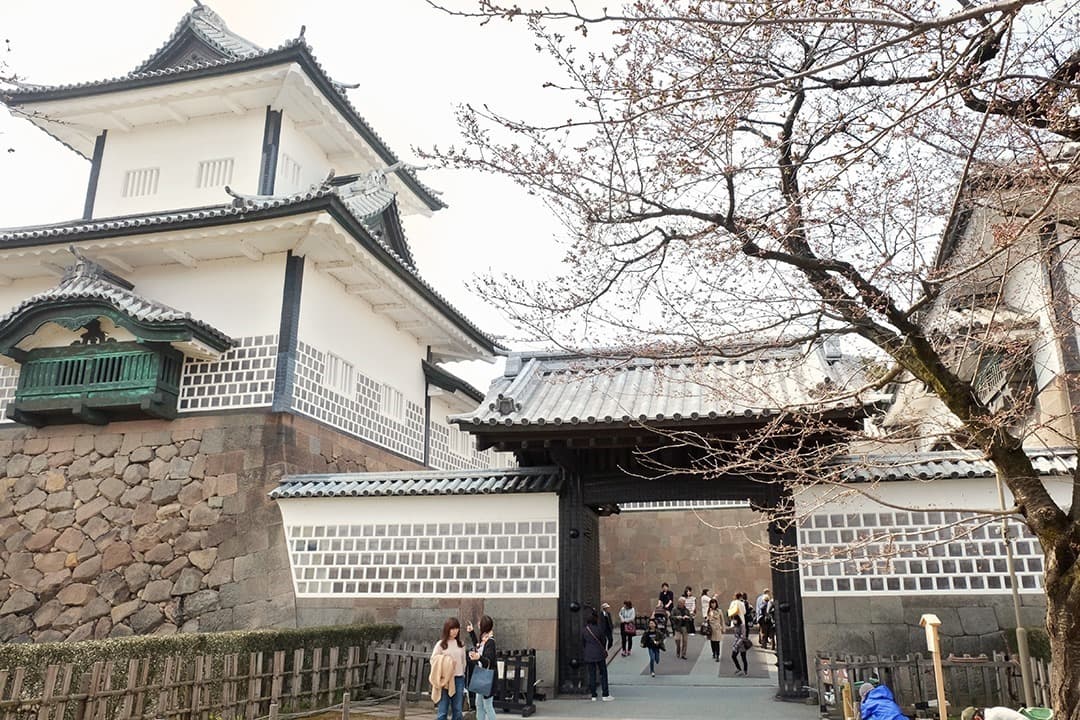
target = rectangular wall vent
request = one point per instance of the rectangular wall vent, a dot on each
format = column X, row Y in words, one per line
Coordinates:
column 140, row 183
column 214, row 173
column 340, row 375
column 288, row 175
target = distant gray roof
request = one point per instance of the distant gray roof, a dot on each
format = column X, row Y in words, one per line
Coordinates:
column 206, row 25
column 948, row 465
column 86, row 280
column 539, row 389
column 423, row 482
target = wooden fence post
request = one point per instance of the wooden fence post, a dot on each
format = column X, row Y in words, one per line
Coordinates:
column 402, row 702
column 345, row 706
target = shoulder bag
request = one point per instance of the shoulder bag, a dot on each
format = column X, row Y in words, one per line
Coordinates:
column 482, row 679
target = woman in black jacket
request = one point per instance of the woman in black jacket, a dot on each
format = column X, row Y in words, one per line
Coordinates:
column 483, row 654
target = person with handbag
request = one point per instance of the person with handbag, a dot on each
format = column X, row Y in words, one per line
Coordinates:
column 714, row 627
column 739, row 644
column 450, row 645
column 681, row 622
column 486, row 671
column 595, row 655
column 627, row 628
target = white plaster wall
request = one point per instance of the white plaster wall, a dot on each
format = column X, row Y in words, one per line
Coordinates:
column 954, row 494
column 419, row 509
column 177, row 149
column 237, row 296
column 303, row 150
column 19, row 290
column 331, row 320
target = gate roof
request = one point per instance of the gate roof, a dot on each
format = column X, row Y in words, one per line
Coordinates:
column 421, row 482
column 557, row 390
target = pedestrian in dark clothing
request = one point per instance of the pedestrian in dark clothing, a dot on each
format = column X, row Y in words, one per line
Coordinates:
column 627, row 616
column 595, row 654
column 667, row 598
column 681, row 622
column 653, row 641
column 607, row 624
column 484, row 655
column 738, row 645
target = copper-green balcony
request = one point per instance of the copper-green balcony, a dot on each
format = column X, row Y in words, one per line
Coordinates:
column 97, row 384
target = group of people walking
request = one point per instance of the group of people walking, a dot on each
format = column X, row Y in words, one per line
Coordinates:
column 677, row 617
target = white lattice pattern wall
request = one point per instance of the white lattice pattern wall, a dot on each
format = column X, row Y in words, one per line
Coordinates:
column 460, row 546
column 9, row 380
column 241, row 378
column 358, row 413
column 912, row 552
column 445, row 457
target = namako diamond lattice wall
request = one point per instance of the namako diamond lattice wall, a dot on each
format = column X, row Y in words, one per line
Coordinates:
column 462, row 546
column 913, row 552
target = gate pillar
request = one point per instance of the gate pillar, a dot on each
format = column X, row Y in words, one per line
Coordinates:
column 790, row 631
column 579, row 580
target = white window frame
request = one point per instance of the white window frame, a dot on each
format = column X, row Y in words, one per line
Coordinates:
column 140, row 182
column 214, row 173
column 339, row 375
column 391, row 402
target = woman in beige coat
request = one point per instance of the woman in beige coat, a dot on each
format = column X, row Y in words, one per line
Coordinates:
column 715, row 619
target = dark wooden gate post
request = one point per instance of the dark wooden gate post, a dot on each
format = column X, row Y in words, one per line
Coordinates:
column 579, row 580
column 786, row 585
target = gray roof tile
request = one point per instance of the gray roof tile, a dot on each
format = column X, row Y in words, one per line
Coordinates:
column 421, row 482
column 369, row 202
column 545, row 389
column 208, row 26
column 947, row 465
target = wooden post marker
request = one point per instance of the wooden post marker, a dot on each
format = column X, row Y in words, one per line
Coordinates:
column 933, row 644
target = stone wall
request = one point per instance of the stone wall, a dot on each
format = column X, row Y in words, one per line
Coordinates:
column 723, row 550
column 155, row 526
column 889, row 625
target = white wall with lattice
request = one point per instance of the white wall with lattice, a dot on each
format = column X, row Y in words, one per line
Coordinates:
column 432, row 546
column 930, row 538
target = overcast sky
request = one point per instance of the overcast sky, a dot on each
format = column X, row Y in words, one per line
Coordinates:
column 412, row 63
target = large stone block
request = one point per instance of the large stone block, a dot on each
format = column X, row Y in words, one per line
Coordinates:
column 146, row 619
column 116, row 555
column 64, row 500
column 107, row 444
column 164, row 491
column 137, row 575
column 90, row 509
column 188, row 582
column 41, row 540
column 30, row 501
column 157, row 591
column 134, row 496
column 76, row 594
column 88, row 569
column 112, row 488
column 978, row 620
column 20, row 601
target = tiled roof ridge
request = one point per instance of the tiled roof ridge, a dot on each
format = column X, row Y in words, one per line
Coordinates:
column 86, row 280
column 295, row 43
column 204, row 13
column 544, row 479
column 954, row 464
column 235, row 208
column 620, row 357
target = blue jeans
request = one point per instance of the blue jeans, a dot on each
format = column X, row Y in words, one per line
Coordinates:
column 654, row 658
column 485, row 708
column 446, row 702
column 594, row 668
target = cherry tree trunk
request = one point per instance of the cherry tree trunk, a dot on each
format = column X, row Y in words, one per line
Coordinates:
column 1063, row 629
